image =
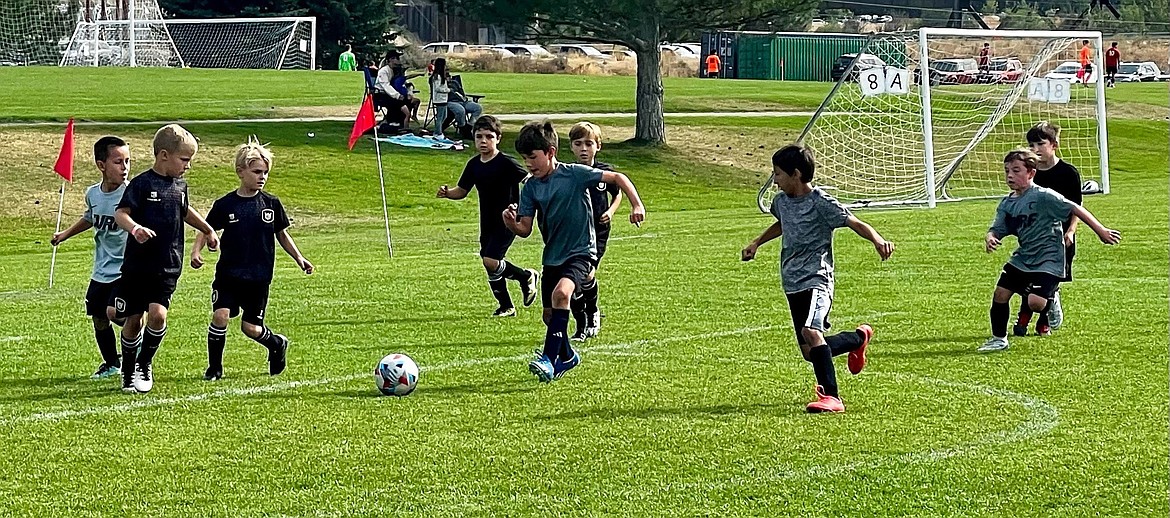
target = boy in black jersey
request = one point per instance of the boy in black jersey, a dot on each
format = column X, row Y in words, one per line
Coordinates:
column 1062, row 177
column 605, row 198
column 252, row 222
column 498, row 177
column 153, row 210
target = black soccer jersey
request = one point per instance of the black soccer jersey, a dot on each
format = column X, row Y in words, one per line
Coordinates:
column 498, row 181
column 1064, row 179
column 601, row 195
column 248, row 242
column 158, row 203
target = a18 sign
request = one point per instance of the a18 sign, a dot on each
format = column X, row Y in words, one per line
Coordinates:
column 877, row 81
column 1055, row 91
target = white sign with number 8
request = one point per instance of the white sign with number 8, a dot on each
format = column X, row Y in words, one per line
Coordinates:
column 877, row 81
column 1057, row 91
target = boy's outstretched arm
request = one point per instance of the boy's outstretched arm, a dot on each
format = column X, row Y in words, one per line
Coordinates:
column 770, row 233
column 458, row 193
column 139, row 232
column 613, row 207
column 197, row 250
column 81, row 226
column 638, row 211
column 521, row 227
column 196, row 220
column 286, row 242
column 884, row 248
column 1107, row 235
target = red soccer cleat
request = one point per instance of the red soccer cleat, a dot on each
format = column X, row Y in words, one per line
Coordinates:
column 825, row 403
column 857, row 357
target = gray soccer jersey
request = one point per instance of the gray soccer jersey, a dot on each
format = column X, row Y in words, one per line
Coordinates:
column 1035, row 218
column 562, row 209
column 806, row 256
column 109, row 239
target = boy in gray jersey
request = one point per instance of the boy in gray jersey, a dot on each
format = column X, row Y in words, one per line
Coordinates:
column 555, row 196
column 806, row 218
column 1035, row 215
column 112, row 157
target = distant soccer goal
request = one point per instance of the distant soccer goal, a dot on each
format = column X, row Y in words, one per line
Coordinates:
column 920, row 117
column 277, row 43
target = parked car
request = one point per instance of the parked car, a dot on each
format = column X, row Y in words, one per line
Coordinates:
column 1004, row 70
column 446, row 47
column 1071, row 70
column 678, row 51
column 622, row 55
column 578, row 50
column 956, row 71
column 527, row 51
column 864, row 61
column 491, row 49
column 695, row 48
column 1133, row 72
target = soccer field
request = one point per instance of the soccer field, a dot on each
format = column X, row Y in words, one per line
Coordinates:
column 690, row 402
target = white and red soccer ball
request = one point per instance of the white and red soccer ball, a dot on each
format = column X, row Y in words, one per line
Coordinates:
column 396, row 375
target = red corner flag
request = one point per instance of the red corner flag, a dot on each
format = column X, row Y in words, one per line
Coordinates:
column 365, row 120
column 64, row 165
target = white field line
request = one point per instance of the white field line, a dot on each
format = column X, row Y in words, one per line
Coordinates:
column 504, row 117
column 12, row 338
column 279, row 387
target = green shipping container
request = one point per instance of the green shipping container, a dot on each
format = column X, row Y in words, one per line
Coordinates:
column 756, row 57
column 811, row 57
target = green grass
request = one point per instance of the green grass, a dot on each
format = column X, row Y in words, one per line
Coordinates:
column 690, row 403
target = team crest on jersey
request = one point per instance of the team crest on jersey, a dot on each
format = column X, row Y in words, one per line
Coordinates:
column 267, row 215
column 119, row 304
column 232, row 218
column 601, row 186
column 153, row 195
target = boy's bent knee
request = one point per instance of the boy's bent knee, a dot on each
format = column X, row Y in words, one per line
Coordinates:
column 253, row 331
column 101, row 323
column 812, row 338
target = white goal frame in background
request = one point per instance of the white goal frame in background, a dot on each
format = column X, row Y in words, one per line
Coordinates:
column 935, row 141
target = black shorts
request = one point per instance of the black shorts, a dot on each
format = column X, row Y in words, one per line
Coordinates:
column 136, row 292
column 1111, row 70
column 495, row 242
column 577, row 269
column 1069, row 252
column 99, row 296
column 235, row 295
column 602, row 241
column 1027, row 283
column 810, row 308
column 1088, row 68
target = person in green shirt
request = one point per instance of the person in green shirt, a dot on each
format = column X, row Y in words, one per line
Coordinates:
column 347, row 62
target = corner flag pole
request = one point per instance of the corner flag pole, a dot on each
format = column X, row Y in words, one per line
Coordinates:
column 382, row 181
column 60, row 207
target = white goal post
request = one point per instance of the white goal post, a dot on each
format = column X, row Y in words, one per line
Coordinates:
column 921, row 117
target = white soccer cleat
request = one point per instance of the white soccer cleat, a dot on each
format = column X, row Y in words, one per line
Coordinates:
column 1055, row 313
column 994, row 344
column 144, row 378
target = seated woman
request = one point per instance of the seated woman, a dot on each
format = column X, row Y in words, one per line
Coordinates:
column 462, row 107
column 392, row 90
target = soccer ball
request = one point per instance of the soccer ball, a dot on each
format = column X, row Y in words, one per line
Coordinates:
column 396, row 375
column 1090, row 187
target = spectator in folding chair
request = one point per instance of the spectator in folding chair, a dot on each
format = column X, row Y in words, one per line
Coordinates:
column 392, row 91
column 465, row 107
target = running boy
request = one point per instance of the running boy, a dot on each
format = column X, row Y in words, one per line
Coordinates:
column 605, row 198
column 252, row 221
column 1035, row 215
column 555, row 196
column 112, row 157
column 1062, row 177
column 806, row 218
column 153, row 210
column 498, row 177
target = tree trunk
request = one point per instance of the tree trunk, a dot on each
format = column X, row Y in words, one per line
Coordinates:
column 649, row 126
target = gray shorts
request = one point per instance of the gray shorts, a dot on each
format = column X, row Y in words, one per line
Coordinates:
column 810, row 308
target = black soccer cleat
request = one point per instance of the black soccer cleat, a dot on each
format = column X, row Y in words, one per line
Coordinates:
column 278, row 357
column 531, row 287
column 213, row 374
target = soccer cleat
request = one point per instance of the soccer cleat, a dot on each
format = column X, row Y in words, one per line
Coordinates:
column 278, row 358
column 145, row 378
column 504, row 312
column 562, row 367
column 857, row 356
column 1043, row 330
column 1056, row 312
column 129, row 378
column 529, row 289
column 213, row 374
column 1021, row 326
column 593, row 324
column 579, row 336
column 993, row 344
column 541, row 367
column 105, row 370
column 825, row 403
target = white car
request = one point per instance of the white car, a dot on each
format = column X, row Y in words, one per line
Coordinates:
column 527, row 51
column 1071, row 70
column 491, row 49
column 678, row 51
column 623, row 55
column 1133, row 72
column 446, row 47
column 578, row 50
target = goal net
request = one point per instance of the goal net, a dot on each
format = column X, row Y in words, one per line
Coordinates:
column 889, row 133
column 276, row 43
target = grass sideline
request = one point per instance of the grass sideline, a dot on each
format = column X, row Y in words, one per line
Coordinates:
column 691, row 403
